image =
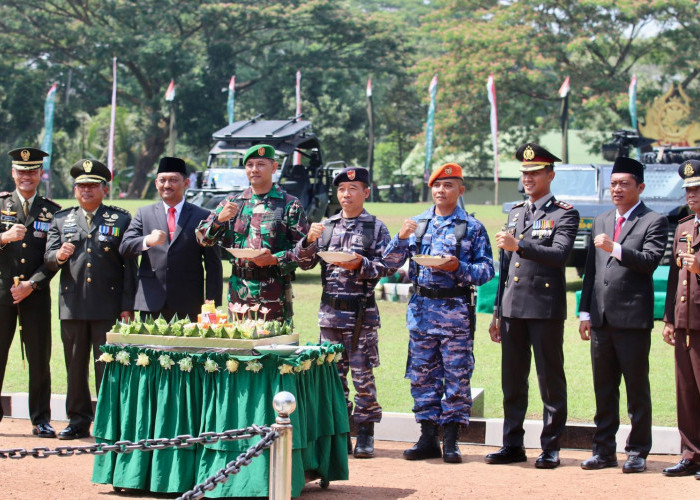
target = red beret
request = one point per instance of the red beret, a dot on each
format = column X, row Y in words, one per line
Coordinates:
column 447, row 171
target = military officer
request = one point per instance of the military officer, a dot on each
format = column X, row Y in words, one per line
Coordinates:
column 263, row 217
column 531, row 307
column 24, row 224
column 441, row 340
column 97, row 285
column 682, row 328
column 349, row 313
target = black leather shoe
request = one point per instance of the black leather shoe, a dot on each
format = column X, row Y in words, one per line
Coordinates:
column 74, row 432
column 599, row 462
column 548, row 459
column 683, row 468
column 507, row 455
column 44, row 431
column 634, row 463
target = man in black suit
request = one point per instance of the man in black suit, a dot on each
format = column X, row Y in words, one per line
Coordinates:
column 24, row 223
column 531, row 307
column 171, row 277
column 617, row 314
column 97, row 284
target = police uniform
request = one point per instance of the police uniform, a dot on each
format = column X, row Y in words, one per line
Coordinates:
column 96, row 285
column 274, row 220
column 441, row 340
column 24, row 259
column 348, row 313
column 683, row 311
column 532, row 298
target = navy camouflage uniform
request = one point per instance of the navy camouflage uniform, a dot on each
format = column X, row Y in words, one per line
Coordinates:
column 441, row 341
column 340, row 284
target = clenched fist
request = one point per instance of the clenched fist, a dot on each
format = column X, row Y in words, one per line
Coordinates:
column 227, row 213
column 15, row 233
column 315, row 232
column 157, row 237
column 407, row 228
column 65, row 251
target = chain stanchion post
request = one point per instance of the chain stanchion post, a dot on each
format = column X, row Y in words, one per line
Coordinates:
column 281, row 449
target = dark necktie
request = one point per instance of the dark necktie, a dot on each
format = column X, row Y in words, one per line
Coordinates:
column 618, row 228
column 529, row 213
column 171, row 221
column 88, row 218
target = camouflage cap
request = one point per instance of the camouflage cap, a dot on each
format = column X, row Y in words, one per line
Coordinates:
column 260, row 151
column 690, row 173
column 27, row 158
column 90, row 171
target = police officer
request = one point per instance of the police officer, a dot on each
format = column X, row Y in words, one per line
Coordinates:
column 531, row 307
column 266, row 218
column 348, row 313
column 24, row 224
column 441, row 337
column 97, row 284
column 682, row 328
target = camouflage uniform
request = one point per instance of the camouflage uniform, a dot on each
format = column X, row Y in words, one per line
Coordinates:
column 338, row 325
column 275, row 220
column 441, row 341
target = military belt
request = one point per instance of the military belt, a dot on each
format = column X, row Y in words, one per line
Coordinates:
column 346, row 304
column 257, row 274
column 442, row 293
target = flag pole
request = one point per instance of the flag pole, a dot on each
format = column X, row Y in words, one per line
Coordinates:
column 112, row 120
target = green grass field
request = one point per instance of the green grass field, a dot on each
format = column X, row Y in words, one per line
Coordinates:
column 393, row 388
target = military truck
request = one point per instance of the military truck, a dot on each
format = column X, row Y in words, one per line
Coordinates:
column 301, row 170
column 587, row 188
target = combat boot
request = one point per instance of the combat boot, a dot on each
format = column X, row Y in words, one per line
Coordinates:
column 450, row 448
column 364, row 444
column 428, row 446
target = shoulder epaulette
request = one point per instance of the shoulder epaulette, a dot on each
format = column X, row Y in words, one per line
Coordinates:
column 563, row 204
column 51, row 201
column 684, row 219
column 119, row 209
column 5, row 193
column 519, row 204
column 64, row 210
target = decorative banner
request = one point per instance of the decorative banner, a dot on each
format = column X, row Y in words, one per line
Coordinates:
column 46, row 144
column 112, row 118
column 633, row 101
column 491, row 89
column 564, row 89
column 170, row 93
column 297, row 156
column 370, row 145
column 429, row 126
column 229, row 103
column 369, row 87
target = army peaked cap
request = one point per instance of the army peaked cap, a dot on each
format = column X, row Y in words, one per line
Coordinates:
column 27, row 158
column 90, row 171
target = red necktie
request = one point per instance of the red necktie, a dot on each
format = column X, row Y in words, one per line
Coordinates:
column 171, row 221
column 618, row 228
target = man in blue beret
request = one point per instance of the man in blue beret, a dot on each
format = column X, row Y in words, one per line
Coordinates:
column 349, row 313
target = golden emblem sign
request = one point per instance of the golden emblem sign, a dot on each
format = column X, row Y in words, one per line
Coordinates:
column 261, row 152
column 688, row 170
column 351, row 175
column 529, row 153
column 25, row 154
column 668, row 119
column 448, row 170
column 87, row 166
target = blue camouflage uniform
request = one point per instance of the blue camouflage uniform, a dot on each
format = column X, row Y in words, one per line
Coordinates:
column 441, row 341
column 341, row 290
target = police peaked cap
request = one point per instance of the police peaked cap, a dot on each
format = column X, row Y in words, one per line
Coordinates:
column 352, row 174
column 171, row 164
column 690, row 173
column 624, row 165
column 260, row 151
column 90, row 171
column 534, row 157
column 27, row 158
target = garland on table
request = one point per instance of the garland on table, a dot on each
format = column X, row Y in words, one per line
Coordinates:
column 220, row 362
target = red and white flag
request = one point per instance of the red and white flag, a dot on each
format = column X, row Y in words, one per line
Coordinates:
column 170, row 93
column 491, row 89
column 112, row 118
column 297, row 156
column 369, row 87
column 564, row 89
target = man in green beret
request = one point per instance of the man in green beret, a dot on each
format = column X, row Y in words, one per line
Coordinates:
column 266, row 218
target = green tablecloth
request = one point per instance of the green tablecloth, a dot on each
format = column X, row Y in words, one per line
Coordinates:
column 143, row 402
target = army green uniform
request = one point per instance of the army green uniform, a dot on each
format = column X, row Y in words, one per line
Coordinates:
column 25, row 259
column 276, row 221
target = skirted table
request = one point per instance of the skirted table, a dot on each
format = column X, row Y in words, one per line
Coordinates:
column 148, row 393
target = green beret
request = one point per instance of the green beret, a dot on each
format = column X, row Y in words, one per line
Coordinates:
column 260, row 151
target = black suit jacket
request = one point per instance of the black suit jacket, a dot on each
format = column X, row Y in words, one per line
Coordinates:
column 171, row 275
column 621, row 292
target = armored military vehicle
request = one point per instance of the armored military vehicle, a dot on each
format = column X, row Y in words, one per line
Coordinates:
column 301, row 171
column 587, row 187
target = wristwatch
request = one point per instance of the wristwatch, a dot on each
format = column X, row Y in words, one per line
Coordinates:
column 32, row 283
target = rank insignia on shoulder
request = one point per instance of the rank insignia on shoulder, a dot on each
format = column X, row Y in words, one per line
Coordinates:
column 519, row 204
column 691, row 216
column 5, row 193
column 563, row 204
